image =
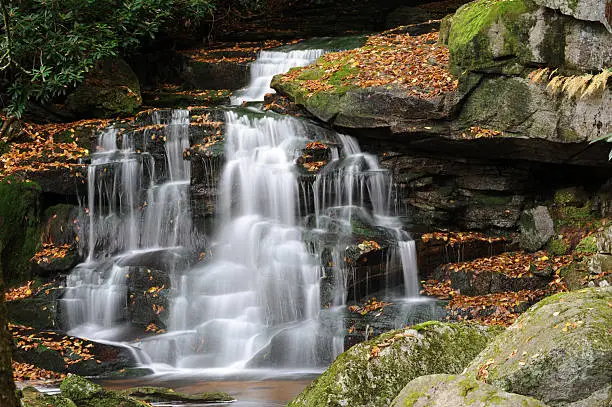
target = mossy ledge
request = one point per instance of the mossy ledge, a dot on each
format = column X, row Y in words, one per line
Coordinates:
column 372, row 373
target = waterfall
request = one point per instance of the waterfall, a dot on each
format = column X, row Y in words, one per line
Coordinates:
column 259, row 299
column 131, row 210
column 268, row 64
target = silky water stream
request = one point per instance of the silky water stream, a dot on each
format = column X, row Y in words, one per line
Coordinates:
column 271, row 300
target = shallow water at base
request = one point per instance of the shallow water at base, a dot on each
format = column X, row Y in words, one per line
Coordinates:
column 248, row 393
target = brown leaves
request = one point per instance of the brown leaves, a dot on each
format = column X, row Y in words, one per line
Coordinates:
column 367, row 246
column 416, row 64
column 26, row 371
column 40, row 151
column 73, row 350
column 19, row 293
column 453, row 238
column 239, row 52
column 369, row 306
column 513, row 264
column 50, row 251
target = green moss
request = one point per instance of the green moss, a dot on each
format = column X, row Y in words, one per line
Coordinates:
column 468, row 41
column 492, row 200
column 19, row 228
column 574, row 216
column 588, row 245
column 358, row 379
column 557, row 247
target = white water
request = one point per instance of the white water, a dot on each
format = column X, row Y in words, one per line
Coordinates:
column 257, row 302
column 268, row 64
column 262, row 284
column 132, row 211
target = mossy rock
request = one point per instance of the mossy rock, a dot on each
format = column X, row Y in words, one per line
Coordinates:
column 31, row 397
column 79, row 389
column 19, row 228
column 163, row 394
column 559, row 351
column 110, row 89
column 588, row 245
column 88, row 394
column 458, row 391
column 503, row 36
column 372, row 373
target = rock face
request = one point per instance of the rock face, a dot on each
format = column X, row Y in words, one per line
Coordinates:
column 508, row 36
column 559, row 351
column 19, row 228
column 442, row 390
column 372, row 373
column 111, row 88
column 586, row 10
column 536, row 228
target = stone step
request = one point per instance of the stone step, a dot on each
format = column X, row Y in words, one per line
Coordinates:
column 439, row 248
column 501, row 308
column 510, row 271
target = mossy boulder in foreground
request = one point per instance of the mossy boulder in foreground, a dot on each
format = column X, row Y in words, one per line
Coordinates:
column 372, row 373
column 87, row 394
column 559, row 351
column 443, row 390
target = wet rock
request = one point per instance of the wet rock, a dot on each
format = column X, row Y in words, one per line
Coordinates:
column 148, row 296
column 103, row 360
column 163, row 394
column 372, row 373
column 559, row 351
column 87, row 394
column 443, row 390
column 536, row 227
column 215, row 75
column 111, row 88
column 38, row 311
column 482, row 283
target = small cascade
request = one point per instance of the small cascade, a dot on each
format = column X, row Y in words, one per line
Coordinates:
column 133, row 210
column 268, row 64
column 261, row 289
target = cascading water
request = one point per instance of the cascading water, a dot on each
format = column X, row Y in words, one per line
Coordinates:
column 132, row 212
column 268, row 64
column 257, row 301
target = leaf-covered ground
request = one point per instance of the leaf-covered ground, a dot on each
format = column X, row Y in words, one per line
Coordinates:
column 416, row 64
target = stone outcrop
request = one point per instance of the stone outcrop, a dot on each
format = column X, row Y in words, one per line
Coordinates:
column 559, row 351
column 443, row 390
column 536, row 227
column 110, row 89
column 372, row 373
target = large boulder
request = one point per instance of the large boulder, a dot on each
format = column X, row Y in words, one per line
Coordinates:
column 110, row 89
column 443, row 390
column 372, row 373
column 507, row 36
column 559, row 351
column 536, row 226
